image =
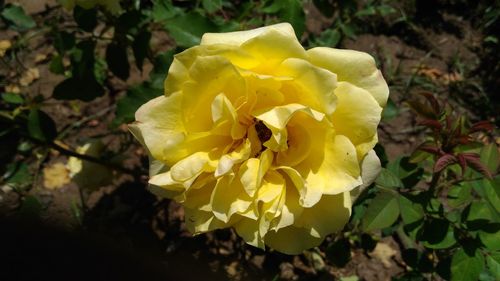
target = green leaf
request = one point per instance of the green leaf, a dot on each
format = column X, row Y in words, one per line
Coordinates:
column 135, row 97
column 211, row 6
column 386, row 10
column 438, row 234
column 31, row 207
column 292, row 11
column 85, row 18
column 140, row 46
column 164, row 10
column 64, row 41
column 339, row 252
column 18, row 174
column 493, row 262
column 409, row 173
column 465, row 267
column 325, row 7
column 387, row 179
column 117, row 60
column 490, row 240
column 328, row 38
column 348, row 30
column 187, row 29
column 85, row 89
column 382, row 212
column 12, row 98
column 411, row 212
column 56, row 65
column 390, row 111
column 459, row 195
column 18, row 17
column 41, row 126
column 489, row 156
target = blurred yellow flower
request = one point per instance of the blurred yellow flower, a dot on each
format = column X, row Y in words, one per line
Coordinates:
column 258, row 134
column 55, row 176
column 86, row 174
column 4, row 46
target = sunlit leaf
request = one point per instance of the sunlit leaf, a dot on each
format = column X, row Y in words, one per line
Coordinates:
column 465, row 267
column 382, row 212
column 18, row 17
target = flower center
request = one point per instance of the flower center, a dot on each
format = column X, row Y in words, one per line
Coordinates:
column 263, row 132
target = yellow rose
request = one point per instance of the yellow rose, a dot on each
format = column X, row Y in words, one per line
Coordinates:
column 258, row 134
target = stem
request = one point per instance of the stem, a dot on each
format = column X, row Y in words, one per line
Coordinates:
column 92, row 159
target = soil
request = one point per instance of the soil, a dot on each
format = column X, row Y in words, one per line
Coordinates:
column 129, row 234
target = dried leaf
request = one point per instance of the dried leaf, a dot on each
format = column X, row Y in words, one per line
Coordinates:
column 473, row 161
column 55, row 176
column 384, row 253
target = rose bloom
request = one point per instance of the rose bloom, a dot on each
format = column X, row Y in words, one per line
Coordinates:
column 258, row 134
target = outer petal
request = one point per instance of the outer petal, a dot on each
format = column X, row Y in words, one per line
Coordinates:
column 357, row 116
column 159, row 125
column 291, row 240
column 329, row 215
column 239, row 37
column 370, row 168
column 332, row 165
column 355, row 67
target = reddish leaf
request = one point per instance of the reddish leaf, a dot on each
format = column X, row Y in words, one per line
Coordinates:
column 474, row 162
column 428, row 147
column 444, row 161
column 482, row 126
column 464, row 139
column 448, row 122
column 462, row 162
column 421, row 109
column 431, row 123
column 433, row 101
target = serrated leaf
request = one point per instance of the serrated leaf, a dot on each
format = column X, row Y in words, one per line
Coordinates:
column 211, row 6
column 411, row 212
column 164, row 10
column 187, row 29
column 438, row 234
column 490, row 240
column 117, row 60
column 465, row 267
column 41, row 126
column 390, row 110
column 493, row 262
column 339, row 252
column 382, row 212
column 292, row 11
column 459, row 195
column 85, row 18
column 56, row 65
column 85, row 89
column 135, row 97
column 140, row 46
column 18, row 17
column 387, row 179
column 490, row 157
